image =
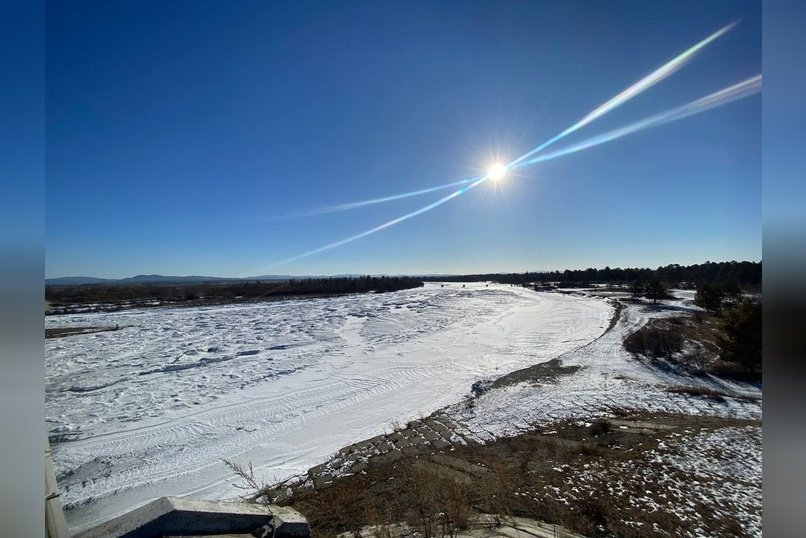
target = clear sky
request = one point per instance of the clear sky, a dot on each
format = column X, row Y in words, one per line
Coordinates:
column 178, row 134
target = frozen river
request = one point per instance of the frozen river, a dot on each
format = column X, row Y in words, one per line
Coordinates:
column 154, row 407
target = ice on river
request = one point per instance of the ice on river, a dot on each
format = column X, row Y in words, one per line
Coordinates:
column 153, row 408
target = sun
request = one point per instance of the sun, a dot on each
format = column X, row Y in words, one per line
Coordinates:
column 497, row 171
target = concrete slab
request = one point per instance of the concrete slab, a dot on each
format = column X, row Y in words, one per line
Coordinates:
column 55, row 523
column 430, row 435
column 440, row 444
column 392, row 455
column 288, row 523
column 175, row 516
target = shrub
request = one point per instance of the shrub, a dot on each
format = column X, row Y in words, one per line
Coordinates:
column 599, row 427
column 709, row 297
column 653, row 342
column 741, row 339
column 655, row 290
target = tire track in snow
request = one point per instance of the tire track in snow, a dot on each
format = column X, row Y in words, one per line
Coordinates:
column 375, row 363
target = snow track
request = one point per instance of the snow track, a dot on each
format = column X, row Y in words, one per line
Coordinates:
column 152, row 409
column 609, row 377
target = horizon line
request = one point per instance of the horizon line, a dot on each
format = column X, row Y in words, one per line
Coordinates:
column 408, row 274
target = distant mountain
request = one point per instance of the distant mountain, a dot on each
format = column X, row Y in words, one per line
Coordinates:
column 275, row 277
column 77, row 281
column 158, row 279
column 143, row 279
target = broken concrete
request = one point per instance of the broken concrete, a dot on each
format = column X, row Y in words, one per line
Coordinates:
column 288, row 523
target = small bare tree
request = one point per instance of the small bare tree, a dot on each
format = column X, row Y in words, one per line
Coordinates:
column 248, row 475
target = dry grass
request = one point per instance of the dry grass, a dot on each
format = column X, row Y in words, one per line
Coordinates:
column 436, row 494
column 441, row 499
column 690, row 343
column 713, row 394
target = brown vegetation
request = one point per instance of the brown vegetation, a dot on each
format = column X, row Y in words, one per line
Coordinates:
column 726, row 345
column 716, row 395
column 437, row 493
column 61, row 332
column 654, row 342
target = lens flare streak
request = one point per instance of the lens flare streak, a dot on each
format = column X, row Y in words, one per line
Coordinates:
column 372, row 201
column 642, row 85
column 738, row 91
column 386, row 224
column 743, row 89
column 732, row 93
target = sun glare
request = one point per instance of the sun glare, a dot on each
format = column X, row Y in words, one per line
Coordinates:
column 497, row 171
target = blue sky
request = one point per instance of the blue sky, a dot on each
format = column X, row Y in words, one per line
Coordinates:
column 178, row 133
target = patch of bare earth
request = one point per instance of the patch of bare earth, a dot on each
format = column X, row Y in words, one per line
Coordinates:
column 61, row 332
column 634, row 475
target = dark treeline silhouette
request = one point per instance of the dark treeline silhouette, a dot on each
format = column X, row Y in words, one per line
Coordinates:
column 740, row 340
column 211, row 293
column 747, row 275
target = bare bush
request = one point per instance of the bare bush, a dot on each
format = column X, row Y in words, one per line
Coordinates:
column 653, row 342
column 381, row 526
column 247, row 474
column 441, row 505
column 698, row 357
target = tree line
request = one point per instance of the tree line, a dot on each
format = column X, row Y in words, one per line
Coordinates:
column 746, row 275
column 225, row 292
column 740, row 338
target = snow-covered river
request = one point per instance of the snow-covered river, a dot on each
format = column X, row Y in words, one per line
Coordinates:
column 157, row 405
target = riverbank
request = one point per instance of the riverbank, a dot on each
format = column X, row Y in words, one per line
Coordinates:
column 619, row 411
column 154, row 409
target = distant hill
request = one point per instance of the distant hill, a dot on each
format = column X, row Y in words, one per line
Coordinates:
column 76, row 281
column 157, row 279
column 278, row 277
column 151, row 279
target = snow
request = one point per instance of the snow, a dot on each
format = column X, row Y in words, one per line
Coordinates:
column 155, row 407
column 609, row 377
column 714, row 472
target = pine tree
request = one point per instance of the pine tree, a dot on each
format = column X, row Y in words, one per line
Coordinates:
column 655, row 290
column 637, row 290
column 709, row 297
column 741, row 342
